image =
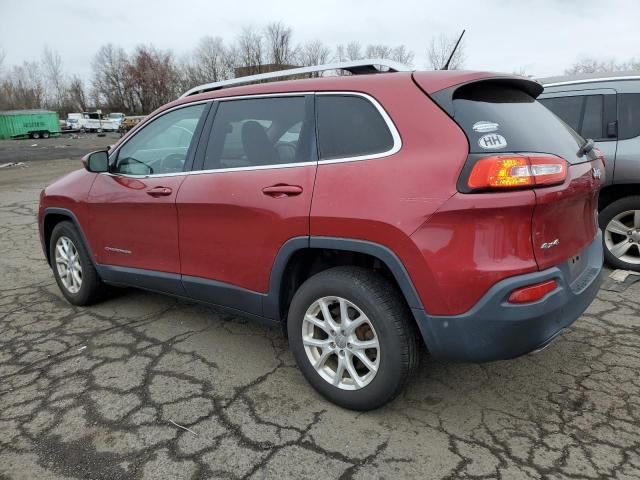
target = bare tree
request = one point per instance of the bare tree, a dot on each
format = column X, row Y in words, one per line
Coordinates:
column 314, row 53
column 279, row 40
column 2, row 57
column 152, row 78
column 378, row 51
column 402, row 55
column 593, row 65
column 76, row 98
column 210, row 62
column 249, row 51
column 54, row 75
column 440, row 49
column 110, row 82
column 22, row 88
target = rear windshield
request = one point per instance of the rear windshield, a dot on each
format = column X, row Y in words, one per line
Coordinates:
column 498, row 118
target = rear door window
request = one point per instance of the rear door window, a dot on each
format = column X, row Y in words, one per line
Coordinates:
column 568, row 109
column 583, row 113
column 350, row 126
column 628, row 115
column 500, row 118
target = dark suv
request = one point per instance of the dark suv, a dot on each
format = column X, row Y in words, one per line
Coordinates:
column 364, row 213
column 606, row 108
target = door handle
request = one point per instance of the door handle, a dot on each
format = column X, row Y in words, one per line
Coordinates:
column 159, row 191
column 280, row 191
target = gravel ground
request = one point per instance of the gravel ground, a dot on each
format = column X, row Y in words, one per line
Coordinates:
column 97, row 392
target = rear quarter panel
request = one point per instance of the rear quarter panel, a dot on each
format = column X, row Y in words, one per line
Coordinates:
column 385, row 200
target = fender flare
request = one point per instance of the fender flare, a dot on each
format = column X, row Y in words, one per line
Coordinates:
column 271, row 305
column 71, row 216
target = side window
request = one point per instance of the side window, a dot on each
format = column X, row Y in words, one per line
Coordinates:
column 583, row 113
column 568, row 109
column 350, row 126
column 628, row 115
column 260, row 132
column 592, row 121
column 162, row 145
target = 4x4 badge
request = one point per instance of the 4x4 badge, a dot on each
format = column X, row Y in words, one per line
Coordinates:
column 596, row 172
column 547, row 245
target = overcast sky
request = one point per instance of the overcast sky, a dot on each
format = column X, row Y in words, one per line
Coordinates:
column 542, row 37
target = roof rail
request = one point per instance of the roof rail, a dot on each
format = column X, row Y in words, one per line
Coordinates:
column 368, row 65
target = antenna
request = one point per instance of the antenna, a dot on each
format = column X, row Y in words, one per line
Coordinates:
column 446, row 65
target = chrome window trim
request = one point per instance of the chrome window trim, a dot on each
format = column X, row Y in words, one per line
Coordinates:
column 397, row 140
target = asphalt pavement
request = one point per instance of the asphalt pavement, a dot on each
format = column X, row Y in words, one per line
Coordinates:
column 147, row 386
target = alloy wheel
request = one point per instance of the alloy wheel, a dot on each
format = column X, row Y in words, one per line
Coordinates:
column 341, row 343
column 622, row 236
column 68, row 264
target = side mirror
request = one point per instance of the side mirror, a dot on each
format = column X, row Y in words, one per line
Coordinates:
column 97, row 162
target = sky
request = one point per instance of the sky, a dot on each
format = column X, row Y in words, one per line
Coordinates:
column 539, row 38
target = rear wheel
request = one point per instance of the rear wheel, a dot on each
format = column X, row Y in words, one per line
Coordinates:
column 45, row 134
column 620, row 222
column 352, row 337
column 72, row 267
column 35, row 135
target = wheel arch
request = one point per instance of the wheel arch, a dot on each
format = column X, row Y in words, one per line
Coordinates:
column 616, row 191
column 300, row 257
column 52, row 216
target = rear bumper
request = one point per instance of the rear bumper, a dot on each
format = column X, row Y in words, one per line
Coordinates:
column 496, row 330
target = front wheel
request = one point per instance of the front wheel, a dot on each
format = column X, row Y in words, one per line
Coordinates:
column 620, row 222
column 73, row 269
column 351, row 335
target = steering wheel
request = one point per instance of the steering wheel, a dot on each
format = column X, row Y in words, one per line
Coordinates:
column 173, row 162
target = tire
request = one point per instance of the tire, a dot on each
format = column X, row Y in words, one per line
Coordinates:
column 389, row 322
column 35, row 135
column 91, row 288
column 622, row 213
column 45, row 134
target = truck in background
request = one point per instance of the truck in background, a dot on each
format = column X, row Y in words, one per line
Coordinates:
column 93, row 122
column 28, row 123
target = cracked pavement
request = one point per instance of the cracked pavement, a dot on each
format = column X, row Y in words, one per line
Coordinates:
column 103, row 391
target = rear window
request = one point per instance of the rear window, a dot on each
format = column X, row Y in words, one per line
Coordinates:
column 350, row 126
column 629, row 115
column 499, row 118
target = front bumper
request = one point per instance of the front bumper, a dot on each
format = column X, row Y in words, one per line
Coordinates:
column 496, row 330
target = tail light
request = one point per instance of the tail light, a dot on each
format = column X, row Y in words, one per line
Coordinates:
column 516, row 171
column 532, row 293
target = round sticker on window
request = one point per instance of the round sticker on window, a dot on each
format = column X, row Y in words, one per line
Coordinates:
column 492, row 141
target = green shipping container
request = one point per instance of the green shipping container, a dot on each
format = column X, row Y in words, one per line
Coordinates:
column 28, row 123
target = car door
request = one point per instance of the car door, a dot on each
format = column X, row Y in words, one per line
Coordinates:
column 591, row 113
column 249, row 194
column 133, row 219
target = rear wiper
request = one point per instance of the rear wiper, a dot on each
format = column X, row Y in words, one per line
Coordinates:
column 586, row 147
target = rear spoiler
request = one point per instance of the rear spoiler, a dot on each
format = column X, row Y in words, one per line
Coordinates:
column 444, row 98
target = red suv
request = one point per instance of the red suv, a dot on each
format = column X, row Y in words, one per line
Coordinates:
column 365, row 213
